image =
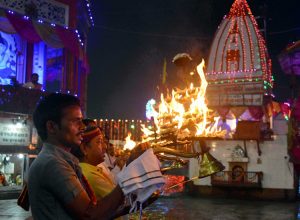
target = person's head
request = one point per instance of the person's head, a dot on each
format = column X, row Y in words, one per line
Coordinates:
column 110, row 149
column 58, row 120
column 92, row 148
column 34, row 78
column 89, row 122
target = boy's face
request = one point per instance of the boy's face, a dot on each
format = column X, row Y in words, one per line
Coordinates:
column 69, row 132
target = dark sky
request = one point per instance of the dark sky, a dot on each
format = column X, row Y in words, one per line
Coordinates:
column 130, row 40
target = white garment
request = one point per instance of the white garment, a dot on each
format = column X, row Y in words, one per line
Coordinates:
column 115, row 172
column 142, row 177
column 107, row 171
column 112, row 173
column 109, row 161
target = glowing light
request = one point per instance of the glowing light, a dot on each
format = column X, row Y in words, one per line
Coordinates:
column 130, row 144
column 150, row 112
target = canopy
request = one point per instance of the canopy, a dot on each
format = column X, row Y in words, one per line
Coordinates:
column 34, row 32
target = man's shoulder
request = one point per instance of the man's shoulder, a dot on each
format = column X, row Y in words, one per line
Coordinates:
column 50, row 157
column 42, row 160
column 28, row 84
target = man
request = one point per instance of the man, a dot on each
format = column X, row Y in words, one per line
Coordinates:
column 109, row 156
column 34, row 83
column 57, row 189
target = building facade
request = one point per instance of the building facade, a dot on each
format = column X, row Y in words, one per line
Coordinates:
column 48, row 38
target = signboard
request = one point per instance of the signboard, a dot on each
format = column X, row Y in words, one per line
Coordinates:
column 14, row 134
column 236, row 94
column 235, row 99
column 235, row 88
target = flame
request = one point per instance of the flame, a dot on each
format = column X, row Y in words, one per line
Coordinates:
column 185, row 113
column 129, row 144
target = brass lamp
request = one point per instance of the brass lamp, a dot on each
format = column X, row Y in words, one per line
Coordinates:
column 208, row 165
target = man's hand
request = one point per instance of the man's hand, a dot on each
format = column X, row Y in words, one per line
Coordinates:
column 137, row 151
column 125, row 210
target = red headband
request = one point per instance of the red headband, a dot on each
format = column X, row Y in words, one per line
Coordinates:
column 89, row 135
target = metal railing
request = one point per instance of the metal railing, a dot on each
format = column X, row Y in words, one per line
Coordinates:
column 244, row 179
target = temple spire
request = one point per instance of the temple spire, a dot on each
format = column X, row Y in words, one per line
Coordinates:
column 239, row 8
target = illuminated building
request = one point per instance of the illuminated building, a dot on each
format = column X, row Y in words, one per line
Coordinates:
column 44, row 37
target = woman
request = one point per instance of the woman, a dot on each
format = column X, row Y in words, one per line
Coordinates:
column 90, row 154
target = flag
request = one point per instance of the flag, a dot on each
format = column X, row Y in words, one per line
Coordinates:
column 164, row 72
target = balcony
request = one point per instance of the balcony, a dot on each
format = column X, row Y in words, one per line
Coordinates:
column 232, row 179
column 19, row 99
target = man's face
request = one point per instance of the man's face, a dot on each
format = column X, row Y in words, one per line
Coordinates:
column 69, row 133
column 34, row 78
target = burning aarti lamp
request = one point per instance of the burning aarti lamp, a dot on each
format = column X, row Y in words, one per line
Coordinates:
column 182, row 119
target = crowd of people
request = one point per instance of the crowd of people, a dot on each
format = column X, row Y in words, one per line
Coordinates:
column 71, row 177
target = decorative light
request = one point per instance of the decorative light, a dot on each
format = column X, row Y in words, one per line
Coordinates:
column 236, row 34
column 88, row 4
column 54, row 25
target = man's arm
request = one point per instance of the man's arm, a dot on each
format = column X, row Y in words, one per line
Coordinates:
column 81, row 206
column 67, row 188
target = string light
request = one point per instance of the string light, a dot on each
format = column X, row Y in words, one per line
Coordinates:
column 88, row 4
column 25, row 17
column 239, row 33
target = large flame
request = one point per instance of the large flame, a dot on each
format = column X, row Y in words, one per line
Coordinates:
column 129, row 144
column 185, row 114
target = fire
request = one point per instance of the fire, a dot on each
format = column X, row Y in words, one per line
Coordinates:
column 185, row 114
column 129, row 144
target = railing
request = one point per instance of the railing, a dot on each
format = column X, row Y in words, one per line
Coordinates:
column 244, row 179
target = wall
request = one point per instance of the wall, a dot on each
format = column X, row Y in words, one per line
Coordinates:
column 277, row 171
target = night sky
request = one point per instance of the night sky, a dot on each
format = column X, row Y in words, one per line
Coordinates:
column 130, row 40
